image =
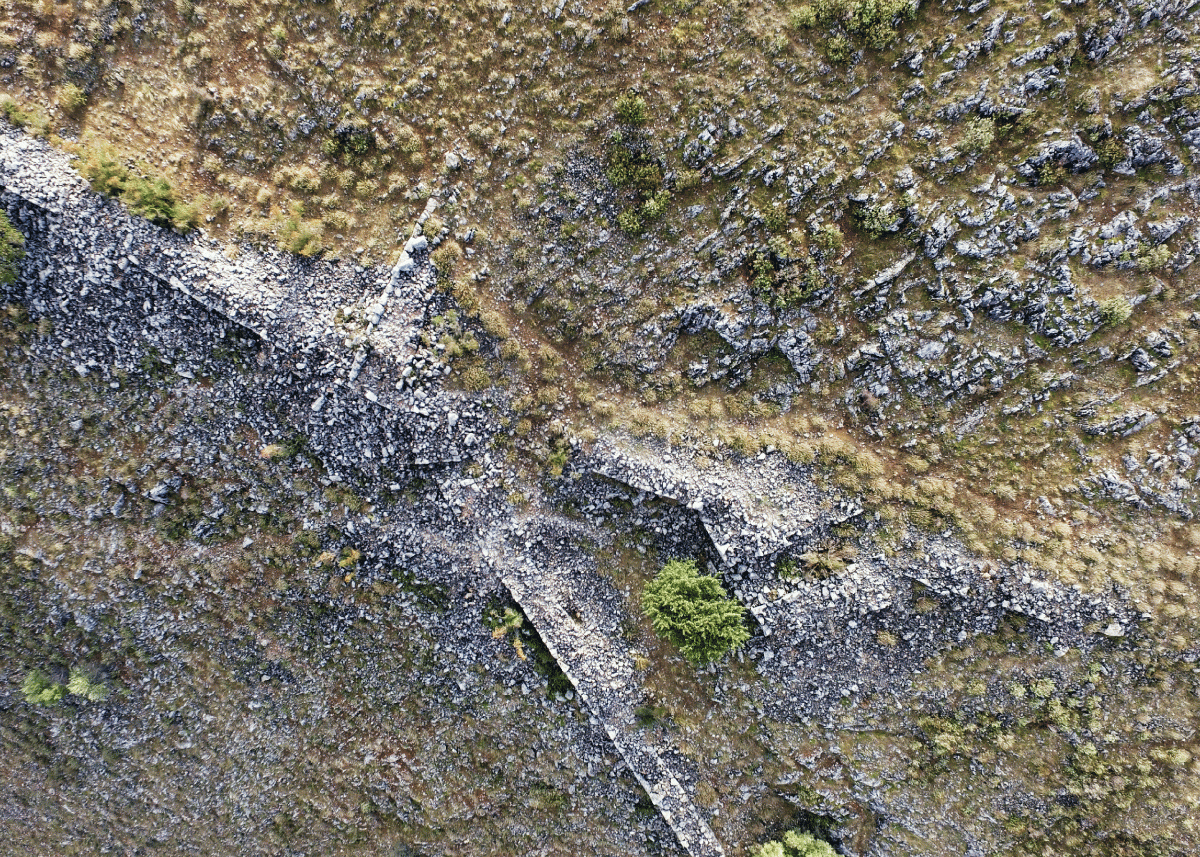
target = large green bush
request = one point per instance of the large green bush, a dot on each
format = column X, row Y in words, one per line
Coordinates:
column 12, row 250
column 796, row 844
column 693, row 612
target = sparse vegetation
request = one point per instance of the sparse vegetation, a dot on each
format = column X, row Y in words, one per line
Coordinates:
column 12, row 250
column 151, row 198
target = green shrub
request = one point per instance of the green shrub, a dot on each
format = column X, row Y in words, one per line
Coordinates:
column 775, row 217
column 656, row 206
column 476, row 379
column 762, row 272
column 978, row 135
column 80, row 685
column 104, row 172
column 446, row 258
column 1111, row 152
column 838, row 49
column 151, row 198
column 39, row 690
column 686, row 180
column 875, row 219
column 828, row 237
column 796, row 844
column 12, row 111
column 803, row 18
column 35, row 121
column 1115, row 311
column 1051, row 173
column 71, row 98
column 630, row 165
column 12, row 250
column 875, row 22
column 630, row 222
column 302, row 237
column 1153, row 258
column 692, row 612
column 631, row 110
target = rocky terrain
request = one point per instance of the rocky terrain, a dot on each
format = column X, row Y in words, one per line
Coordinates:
column 325, row 526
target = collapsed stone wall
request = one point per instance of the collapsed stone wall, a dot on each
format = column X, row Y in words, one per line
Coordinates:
column 121, row 297
column 124, row 298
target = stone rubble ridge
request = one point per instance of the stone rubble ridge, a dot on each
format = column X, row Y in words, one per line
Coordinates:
column 771, row 508
column 287, row 302
column 594, row 656
column 358, row 400
column 369, row 400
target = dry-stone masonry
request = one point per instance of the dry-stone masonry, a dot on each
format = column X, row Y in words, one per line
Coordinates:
column 342, row 350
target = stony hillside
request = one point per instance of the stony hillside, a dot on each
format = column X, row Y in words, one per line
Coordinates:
column 454, row 324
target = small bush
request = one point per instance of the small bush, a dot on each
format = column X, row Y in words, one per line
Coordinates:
column 39, row 690
column 875, row 220
column 631, row 110
column 692, row 612
column 12, row 250
column 302, row 237
column 979, row 134
column 305, row 180
column 775, row 217
column 838, row 50
column 656, row 206
column 1051, row 173
column 151, row 198
column 355, row 140
column 630, row 165
column 407, row 140
column 35, row 122
column 630, row 222
column 1153, row 258
column 12, row 111
column 686, row 180
column 762, row 272
column 446, row 258
column 476, row 379
column 71, row 98
column 828, row 237
column 796, row 844
column 1111, row 152
column 1115, row 311
column 104, row 172
column 803, row 18
column 80, row 685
